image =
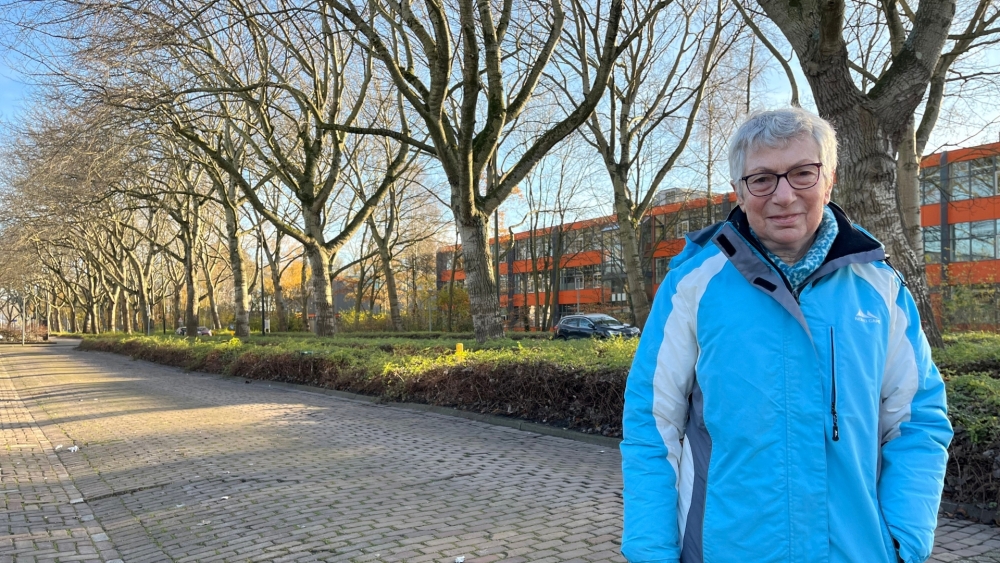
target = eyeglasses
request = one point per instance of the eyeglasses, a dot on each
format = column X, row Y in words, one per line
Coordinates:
column 800, row 178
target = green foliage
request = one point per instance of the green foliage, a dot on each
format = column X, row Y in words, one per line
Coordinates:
column 974, row 404
column 970, row 352
column 971, row 306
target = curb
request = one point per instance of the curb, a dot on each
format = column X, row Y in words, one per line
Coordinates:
column 495, row 420
column 970, row 512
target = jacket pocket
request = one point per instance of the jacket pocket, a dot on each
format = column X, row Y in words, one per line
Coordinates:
column 833, row 387
column 892, row 554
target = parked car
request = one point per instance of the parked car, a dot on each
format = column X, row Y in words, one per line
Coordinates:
column 595, row 325
column 202, row 331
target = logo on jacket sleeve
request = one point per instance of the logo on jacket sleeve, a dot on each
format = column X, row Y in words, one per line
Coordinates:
column 866, row 317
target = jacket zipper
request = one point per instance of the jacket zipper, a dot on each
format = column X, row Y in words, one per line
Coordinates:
column 833, row 394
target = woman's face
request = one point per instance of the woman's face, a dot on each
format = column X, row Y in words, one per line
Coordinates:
column 785, row 221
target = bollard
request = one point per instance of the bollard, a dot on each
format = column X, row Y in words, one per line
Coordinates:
column 459, row 350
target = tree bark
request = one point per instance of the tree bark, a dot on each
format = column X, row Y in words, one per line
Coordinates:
column 908, row 179
column 322, row 291
column 867, row 189
column 631, row 255
column 241, row 298
column 213, row 306
column 176, row 309
column 390, row 287
column 479, row 281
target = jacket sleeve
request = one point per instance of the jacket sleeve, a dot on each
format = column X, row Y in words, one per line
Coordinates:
column 656, row 404
column 915, row 434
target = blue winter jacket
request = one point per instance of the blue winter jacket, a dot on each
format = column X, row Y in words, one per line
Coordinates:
column 764, row 424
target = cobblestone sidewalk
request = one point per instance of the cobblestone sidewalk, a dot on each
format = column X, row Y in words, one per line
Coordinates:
column 186, row 467
column 44, row 517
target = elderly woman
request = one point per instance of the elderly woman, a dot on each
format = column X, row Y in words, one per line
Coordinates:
column 783, row 405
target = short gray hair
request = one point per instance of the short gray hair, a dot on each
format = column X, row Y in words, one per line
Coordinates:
column 775, row 129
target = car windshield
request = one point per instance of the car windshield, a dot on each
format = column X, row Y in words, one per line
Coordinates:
column 606, row 321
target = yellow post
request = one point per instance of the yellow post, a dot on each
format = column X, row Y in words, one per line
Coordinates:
column 459, row 350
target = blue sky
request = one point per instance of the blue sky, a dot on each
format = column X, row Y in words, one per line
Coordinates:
column 12, row 93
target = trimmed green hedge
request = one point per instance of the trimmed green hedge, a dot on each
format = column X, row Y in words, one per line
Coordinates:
column 576, row 384
column 970, row 364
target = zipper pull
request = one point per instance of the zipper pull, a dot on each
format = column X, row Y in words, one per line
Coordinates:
column 836, row 429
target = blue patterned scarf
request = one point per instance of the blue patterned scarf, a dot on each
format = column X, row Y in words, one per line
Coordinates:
column 798, row 272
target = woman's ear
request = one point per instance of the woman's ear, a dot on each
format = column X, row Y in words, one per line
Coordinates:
column 739, row 196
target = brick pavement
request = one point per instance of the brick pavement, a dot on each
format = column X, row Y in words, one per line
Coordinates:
column 186, row 467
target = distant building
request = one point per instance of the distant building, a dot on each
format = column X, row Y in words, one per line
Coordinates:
column 959, row 189
column 588, row 275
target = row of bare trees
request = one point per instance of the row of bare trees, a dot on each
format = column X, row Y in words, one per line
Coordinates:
column 333, row 125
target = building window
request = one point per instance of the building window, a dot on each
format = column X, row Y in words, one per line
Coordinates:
column 932, row 245
column 984, row 240
column 961, row 249
column 974, row 241
column 930, row 184
column 572, row 242
column 683, row 227
column 960, row 184
column 982, row 175
column 661, row 269
column 659, row 228
column 569, row 277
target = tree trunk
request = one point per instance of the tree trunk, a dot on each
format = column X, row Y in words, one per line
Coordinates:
column 416, row 297
column 95, row 317
column 390, row 278
column 359, row 293
column 866, row 176
column 631, row 257
column 322, row 290
column 176, row 310
column 479, row 283
column 872, row 125
column 212, row 304
column 908, row 180
column 73, row 327
column 113, row 310
column 241, row 298
column 280, row 309
column 126, row 314
column 191, row 286
column 305, row 293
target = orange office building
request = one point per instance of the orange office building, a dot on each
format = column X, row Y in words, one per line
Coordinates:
column 959, row 190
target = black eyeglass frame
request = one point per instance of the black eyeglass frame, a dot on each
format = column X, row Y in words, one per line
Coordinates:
column 819, row 174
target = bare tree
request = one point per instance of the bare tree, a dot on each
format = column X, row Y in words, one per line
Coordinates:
column 871, row 115
column 469, row 73
column 650, row 110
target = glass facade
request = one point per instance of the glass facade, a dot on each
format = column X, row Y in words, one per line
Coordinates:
column 970, row 179
column 966, row 180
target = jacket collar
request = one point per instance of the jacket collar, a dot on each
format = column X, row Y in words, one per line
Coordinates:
column 853, row 245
